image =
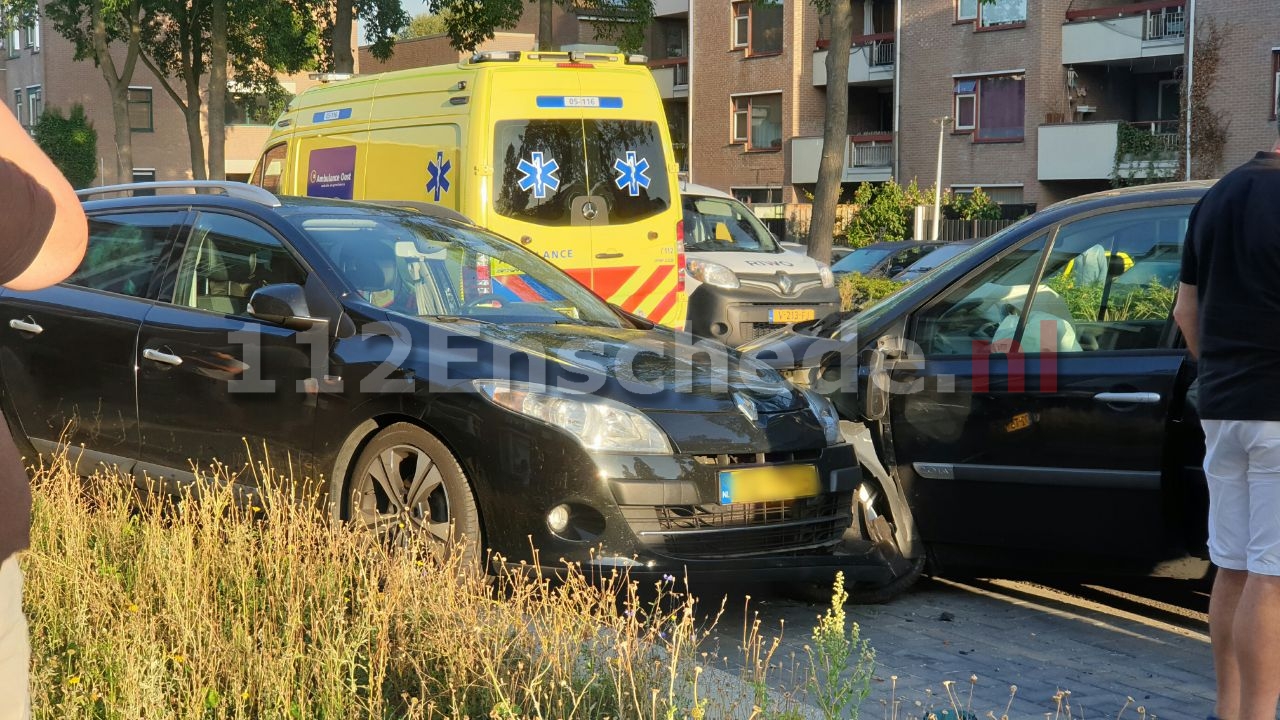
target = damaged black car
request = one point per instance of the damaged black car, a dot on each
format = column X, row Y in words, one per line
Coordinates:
column 1023, row 408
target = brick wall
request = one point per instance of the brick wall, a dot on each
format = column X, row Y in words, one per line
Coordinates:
column 435, row 50
column 1243, row 91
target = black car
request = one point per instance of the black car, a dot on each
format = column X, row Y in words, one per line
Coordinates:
column 883, row 259
column 1023, row 407
column 926, row 264
column 421, row 373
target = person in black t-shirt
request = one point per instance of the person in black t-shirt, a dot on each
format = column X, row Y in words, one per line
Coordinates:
column 42, row 241
column 1229, row 311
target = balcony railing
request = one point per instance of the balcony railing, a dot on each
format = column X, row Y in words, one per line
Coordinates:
column 870, row 151
column 882, row 52
column 1165, row 23
column 1164, row 132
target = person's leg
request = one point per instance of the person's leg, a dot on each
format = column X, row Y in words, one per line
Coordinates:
column 15, row 651
column 1257, row 623
column 1226, row 466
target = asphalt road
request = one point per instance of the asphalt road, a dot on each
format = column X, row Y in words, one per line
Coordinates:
column 1103, row 643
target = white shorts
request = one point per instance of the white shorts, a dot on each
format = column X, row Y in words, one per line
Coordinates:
column 1242, row 467
column 15, row 653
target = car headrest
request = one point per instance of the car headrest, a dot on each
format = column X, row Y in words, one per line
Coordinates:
column 368, row 266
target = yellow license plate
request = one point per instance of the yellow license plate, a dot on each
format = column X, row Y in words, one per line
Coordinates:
column 767, row 484
column 779, row 315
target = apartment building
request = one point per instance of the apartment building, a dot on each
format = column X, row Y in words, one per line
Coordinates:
column 1042, row 99
column 40, row 70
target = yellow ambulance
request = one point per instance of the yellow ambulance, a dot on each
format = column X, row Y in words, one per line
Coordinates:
column 565, row 153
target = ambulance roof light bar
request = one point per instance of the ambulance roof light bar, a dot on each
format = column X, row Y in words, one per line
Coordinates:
column 496, row 56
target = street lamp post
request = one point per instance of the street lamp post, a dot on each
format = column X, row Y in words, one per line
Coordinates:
column 937, row 181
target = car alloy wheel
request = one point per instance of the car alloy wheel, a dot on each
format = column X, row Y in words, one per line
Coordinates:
column 406, row 484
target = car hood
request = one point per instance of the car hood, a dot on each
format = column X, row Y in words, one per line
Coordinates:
column 757, row 263
column 791, row 348
column 652, row 370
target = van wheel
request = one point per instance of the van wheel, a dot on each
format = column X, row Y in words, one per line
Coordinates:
column 406, row 484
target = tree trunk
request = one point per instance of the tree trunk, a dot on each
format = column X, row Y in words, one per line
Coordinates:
column 195, row 138
column 218, row 91
column 835, row 132
column 546, row 31
column 343, row 61
column 119, row 90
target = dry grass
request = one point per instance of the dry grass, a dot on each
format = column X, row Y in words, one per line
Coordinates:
column 207, row 610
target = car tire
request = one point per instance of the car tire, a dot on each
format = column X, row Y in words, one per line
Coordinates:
column 382, row 496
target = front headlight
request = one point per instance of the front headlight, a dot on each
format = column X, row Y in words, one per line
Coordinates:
column 713, row 274
column 824, row 272
column 597, row 423
column 827, row 416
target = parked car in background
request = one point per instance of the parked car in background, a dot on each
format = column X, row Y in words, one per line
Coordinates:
column 1022, row 407
column 926, row 264
column 884, row 259
column 741, row 282
column 420, row 374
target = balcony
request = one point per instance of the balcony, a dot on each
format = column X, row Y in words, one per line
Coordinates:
column 672, row 77
column 867, row 158
column 670, row 8
column 1092, row 150
column 870, row 61
column 1124, row 32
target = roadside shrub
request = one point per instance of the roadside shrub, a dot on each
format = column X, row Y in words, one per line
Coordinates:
column 70, row 142
column 858, row 291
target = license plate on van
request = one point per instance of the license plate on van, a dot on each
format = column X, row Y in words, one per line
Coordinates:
column 768, row 484
column 781, row 315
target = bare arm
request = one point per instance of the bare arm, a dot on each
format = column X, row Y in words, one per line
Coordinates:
column 1186, row 311
column 62, row 249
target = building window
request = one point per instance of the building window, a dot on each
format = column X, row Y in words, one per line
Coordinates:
column 966, row 104
column 15, row 43
column 17, row 105
column 35, row 104
column 1275, row 84
column 141, row 115
column 998, row 112
column 757, row 26
column 757, row 121
column 33, row 36
column 245, row 107
column 966, row 10
column 1003, row 12
column 141, row 175
column 741, row 24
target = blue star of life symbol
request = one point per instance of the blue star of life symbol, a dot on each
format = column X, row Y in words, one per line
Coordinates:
column 438, row 170
column 631, row 173
column 539, row 174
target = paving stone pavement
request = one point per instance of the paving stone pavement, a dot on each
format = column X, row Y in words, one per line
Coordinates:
column 1040, row 639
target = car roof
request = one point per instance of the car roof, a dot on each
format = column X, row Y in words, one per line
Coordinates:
column 285, row 206
column 703, row 190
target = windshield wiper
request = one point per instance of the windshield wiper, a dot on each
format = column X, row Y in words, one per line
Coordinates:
column 462, row 319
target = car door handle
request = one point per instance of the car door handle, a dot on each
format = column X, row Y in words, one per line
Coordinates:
column 609, row 256
column 26, row 326
column 161, row 357
column 1140, row 398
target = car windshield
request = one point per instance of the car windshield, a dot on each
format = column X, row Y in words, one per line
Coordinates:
column 861, row 260
column 719, row 224
column 423, row 268
column 932, row 260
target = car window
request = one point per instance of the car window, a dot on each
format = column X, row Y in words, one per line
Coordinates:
column 712, row 224
column 124, row 251
column 984, row 309
column 270, row 168
column 861, row 260
column 541, row 166
column 1117, row 273
column 226, row 259
column 420, row 268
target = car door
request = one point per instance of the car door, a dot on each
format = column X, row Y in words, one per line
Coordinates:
column 216, row 387
column 67, row 352
column 1033, row 415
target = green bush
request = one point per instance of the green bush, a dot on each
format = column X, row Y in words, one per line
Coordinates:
column 71, row 142
column 976, row 205
column 858, row 291
column 882, row 213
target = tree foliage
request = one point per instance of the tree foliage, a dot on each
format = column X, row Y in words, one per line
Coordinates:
column 617, row 22
column 423, row 25
column 883, row 213
column 70, row 142
column 976, row 205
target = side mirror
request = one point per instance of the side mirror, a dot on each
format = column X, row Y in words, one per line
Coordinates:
column 284, row 305
column 637, row 321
